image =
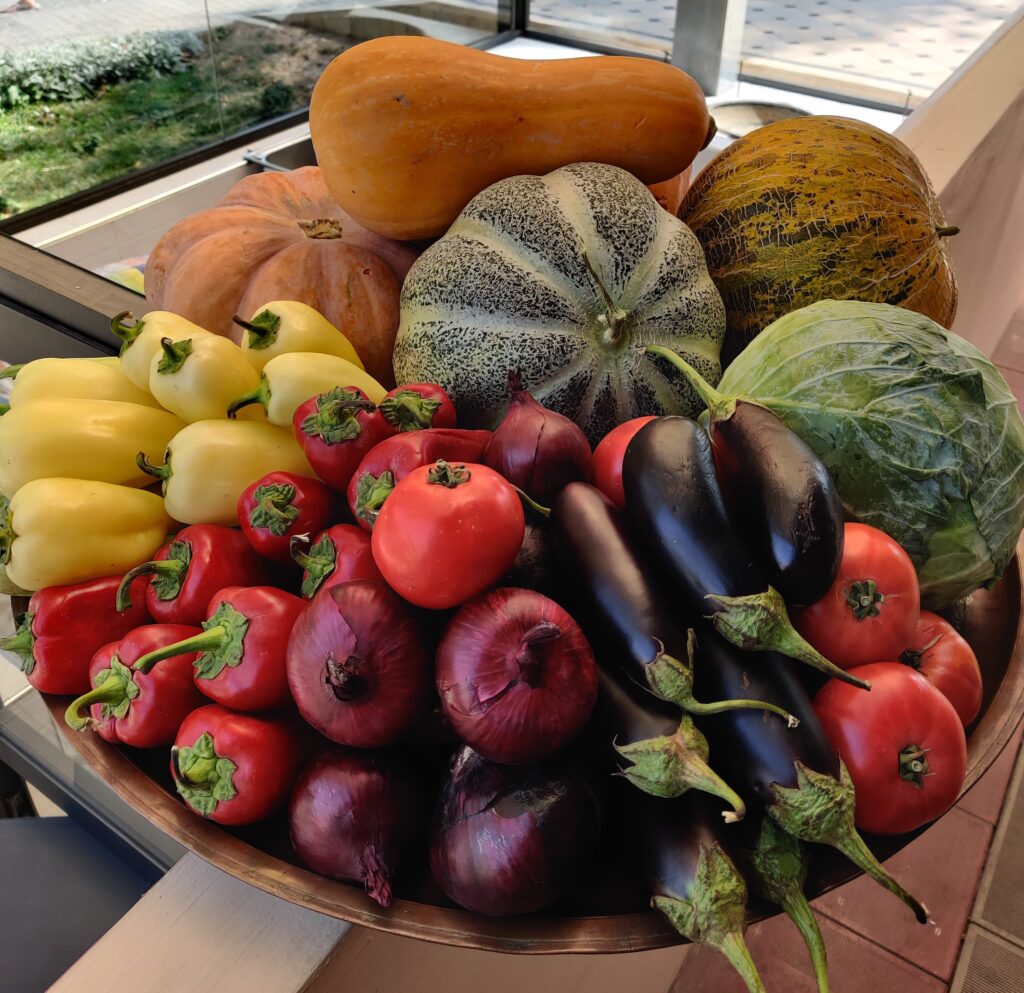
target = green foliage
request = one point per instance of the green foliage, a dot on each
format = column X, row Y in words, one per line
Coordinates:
column 277, row 98
column 77, row 70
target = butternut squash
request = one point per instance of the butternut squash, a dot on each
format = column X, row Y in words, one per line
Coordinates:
column 408, row 130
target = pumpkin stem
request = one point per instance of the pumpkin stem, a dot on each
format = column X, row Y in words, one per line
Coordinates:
column 321, row 227
column 947, row 231
column 712, row 131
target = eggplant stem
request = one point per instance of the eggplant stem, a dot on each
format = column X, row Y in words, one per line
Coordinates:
column 758, row 622
column 734, row 948
column 720, row 706
column 820, row 809
column 799, row 911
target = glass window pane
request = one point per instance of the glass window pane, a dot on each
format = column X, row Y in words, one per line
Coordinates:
column 643, row 26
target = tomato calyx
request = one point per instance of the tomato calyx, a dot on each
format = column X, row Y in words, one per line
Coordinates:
column 864, row 598
column 913, row 657
column 450, row 476
column 346, row 677
column 914, row 765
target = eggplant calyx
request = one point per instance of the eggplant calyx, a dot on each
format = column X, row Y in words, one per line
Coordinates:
column 672, row 679
column 864, row 599
column 820, row 809
column 716, row 912
column 670, row 765
column 778, row 873
column 913, row 764
column 758, row 622
column 201, row 776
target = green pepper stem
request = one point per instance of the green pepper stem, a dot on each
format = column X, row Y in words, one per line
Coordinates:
column 11, row 371
column 209, row 640
column 202, row 776
column 407, row 410
column 126, row 332
column 260, row 395
column 175, row 355
column 720, row 406
column 111, row 690
column 162, row 472
column 171, row 568
column 758, row 622
column 262, row 329
column 672, row 764
column 22, row 644
column 537, row 508
column 5, row 408
column 7, row 534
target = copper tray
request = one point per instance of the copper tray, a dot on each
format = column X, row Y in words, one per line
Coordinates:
column 604, row 918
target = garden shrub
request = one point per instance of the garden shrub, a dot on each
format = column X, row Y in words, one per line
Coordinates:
column 76, row 70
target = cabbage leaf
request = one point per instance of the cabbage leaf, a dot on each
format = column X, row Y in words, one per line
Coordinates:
column 920, row 432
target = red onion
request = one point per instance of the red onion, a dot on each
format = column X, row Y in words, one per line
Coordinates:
column 354, row 814
column 536, row 449
column 516, row 676
column 359, row 665
column 510, row 840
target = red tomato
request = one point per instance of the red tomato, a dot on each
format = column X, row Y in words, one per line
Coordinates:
column 446, row 533
column 608, row 457
column 902, row 743
column 941, row 655
column 871, row 611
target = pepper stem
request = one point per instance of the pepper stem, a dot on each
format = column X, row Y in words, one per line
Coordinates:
column 5, row 408
column 262, row 329
column 318, row 561
column 22, row 643
column 201, row 776
column 275, row 508
column 408, row 410
column 758, row 622
column 162, row 472
column 820, row 809
column 672, row 764
column 170, row 568
column 7, row 535
column 720, row 406
column 337, row 415
column 531, row 503
column 371, row 492
column 209, row 640
column 175, row 354
column 111, row 690
column 11, row 371
column 672, row 680
column 778, row 873
column 715, row 913
column 260, row 395
column 126, row 332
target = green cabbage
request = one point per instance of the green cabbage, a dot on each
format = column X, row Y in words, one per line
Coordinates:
column 920, row 432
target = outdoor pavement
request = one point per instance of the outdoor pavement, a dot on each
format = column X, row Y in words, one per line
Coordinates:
column 907, row 47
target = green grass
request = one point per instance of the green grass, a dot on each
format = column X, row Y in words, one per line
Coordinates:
column 48, row 151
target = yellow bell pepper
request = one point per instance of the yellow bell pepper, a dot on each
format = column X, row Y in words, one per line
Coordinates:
column 80, row 439
column 59, row 531
column 196, row 378
column 81, row 379
column 209, row 463
column 140, row 341
column 290, row 326
column 289, row 380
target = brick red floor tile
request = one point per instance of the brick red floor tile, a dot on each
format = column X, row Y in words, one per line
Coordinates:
column 855, row 965
column 985, row 798
column 942, row 869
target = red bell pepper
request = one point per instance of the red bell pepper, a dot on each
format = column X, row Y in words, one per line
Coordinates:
column 335, row 430
column 338, row 555
column 392, row 460
column 235, row 768
column 63, row 628
column 416, row 407
column 139, row 705
column 281, row 505
column 242, row 647
column 187, row 571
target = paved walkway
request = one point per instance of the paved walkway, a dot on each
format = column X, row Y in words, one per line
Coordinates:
column 908, row 45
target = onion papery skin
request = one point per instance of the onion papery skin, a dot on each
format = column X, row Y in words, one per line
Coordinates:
column 537, row 449
column 510, row 840
column 353, row 815
column 378, row 644
column 516, row 676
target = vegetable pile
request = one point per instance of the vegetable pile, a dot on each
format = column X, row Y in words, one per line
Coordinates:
column 504, row 615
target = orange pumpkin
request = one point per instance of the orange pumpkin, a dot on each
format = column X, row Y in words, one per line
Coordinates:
column 408, row 130
column 280, row 236
column 670, row 193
